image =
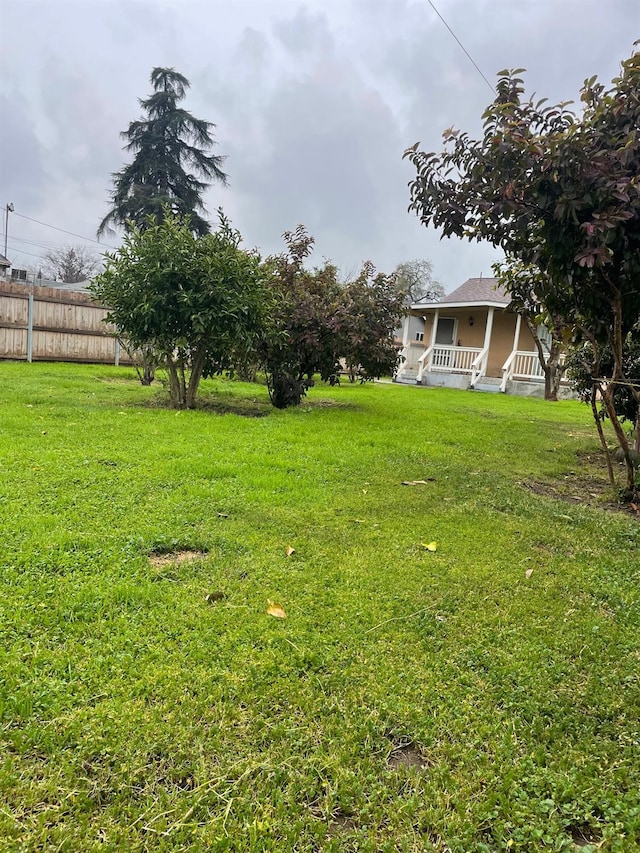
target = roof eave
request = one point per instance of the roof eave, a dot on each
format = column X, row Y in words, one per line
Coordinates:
column 419, row 306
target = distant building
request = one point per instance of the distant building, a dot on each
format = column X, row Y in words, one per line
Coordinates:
column 5, row 264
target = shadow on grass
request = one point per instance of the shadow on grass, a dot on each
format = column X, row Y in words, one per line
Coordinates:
column 217, row 404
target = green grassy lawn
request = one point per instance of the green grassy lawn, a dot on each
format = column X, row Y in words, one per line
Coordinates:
column 410, row 701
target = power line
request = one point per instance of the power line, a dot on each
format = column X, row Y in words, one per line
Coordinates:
column 63, row 230
column 24, row 252
column 50, row 246
column 469, row 57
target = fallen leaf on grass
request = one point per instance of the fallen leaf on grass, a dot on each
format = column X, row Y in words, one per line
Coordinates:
column 364, row 491
column 358, row 520
column 528, row 573
column 222, row 514
column 276, row 610
column 418, row 482
column 212, row 597
column 430, row 546
column 289, row 550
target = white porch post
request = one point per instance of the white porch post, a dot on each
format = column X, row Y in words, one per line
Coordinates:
column 405, row 330
column 432, row 342
column 488, row 328
column 516, row 337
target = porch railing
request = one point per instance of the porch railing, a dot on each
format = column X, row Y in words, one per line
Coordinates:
column 410, row 358
column 443, row 358
column 446, row 358
column 522, row 365
column 479, row 366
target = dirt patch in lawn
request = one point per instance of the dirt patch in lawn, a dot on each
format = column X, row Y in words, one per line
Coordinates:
column 216, row 405
column 406, row 755
column 588, row 485
column 341, row 824
column 583, row 836
column 174, row 558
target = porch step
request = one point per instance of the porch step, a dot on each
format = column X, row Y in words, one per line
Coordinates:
column 407, row 377
column 488, row 384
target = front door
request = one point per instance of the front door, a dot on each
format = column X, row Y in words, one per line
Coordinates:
column 445, row 336
column 445, row 330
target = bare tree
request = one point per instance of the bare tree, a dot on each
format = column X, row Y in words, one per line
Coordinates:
column 70, row 264
column 415, row 280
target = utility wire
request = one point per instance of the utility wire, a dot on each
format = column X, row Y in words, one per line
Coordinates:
column 50, row 246
column 64, row 231
column 469, row 57
column 24, row 252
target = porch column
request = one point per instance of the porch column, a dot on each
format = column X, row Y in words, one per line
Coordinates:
column 488, row 328
column 516, row 337
column 432, row 342
column 405, row 330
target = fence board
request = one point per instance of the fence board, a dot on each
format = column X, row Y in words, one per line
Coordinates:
column 13, row 311
column 66, row 326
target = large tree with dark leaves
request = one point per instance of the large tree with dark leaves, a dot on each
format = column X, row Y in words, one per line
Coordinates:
column 559, row 191
column 172, row 165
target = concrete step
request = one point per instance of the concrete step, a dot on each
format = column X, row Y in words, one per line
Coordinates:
column 488, row 384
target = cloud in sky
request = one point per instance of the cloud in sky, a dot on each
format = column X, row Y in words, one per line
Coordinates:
column 314, row 103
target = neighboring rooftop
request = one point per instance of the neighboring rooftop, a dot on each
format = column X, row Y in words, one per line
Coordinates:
column 4, row 262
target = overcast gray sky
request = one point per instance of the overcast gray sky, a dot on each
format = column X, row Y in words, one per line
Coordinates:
column 314, row 104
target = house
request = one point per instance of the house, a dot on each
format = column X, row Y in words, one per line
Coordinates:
column 5, row 264
column 471, row 339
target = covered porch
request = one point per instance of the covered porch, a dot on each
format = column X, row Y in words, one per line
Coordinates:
column 470, row 343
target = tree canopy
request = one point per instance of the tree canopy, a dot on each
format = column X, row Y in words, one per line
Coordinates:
column 70, row 264
column 200, row 303
column 415, row 280
column 556, row 190
column 172, row 164
column 319, row 322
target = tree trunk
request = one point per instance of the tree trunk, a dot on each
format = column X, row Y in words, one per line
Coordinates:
column 174, row 383
column 550, row 383
column 618, row 375
column 621, row 435
column 603, row 441
column 197, row 366
column 149, row 362
column 550, row 364
column 553, row 372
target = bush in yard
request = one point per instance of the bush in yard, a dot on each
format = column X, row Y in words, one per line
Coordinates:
column 371, row 309
column 306, row 321
column 199, row 303
column 319, row 322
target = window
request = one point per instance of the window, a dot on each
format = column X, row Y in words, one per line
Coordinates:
column 420, row 336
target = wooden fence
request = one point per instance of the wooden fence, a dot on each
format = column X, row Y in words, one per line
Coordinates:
column 52, row 324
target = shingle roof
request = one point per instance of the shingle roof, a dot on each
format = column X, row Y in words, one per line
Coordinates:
column 4, row 262
column 478, row 290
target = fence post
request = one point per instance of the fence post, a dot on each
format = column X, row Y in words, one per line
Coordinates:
column 30, row 329
column 117, row 353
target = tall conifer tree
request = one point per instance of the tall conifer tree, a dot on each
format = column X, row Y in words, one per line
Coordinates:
column 172, row 164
